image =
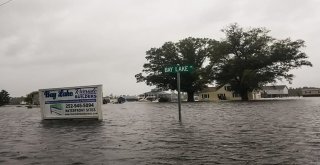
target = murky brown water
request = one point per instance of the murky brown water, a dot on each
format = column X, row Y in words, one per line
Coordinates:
column 263, row 132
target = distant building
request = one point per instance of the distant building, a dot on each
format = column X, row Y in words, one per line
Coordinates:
column 156, row 93
column 275, row 91
column 311, row 92
column 131, row 98
column 224, row 93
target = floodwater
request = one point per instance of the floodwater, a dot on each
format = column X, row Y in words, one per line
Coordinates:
column 261, row 132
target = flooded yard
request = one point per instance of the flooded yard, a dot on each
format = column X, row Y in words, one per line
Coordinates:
column 260, row 132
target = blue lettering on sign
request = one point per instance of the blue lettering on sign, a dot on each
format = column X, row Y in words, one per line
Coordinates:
column 61, row 93
column 86, row 91
column 65, row 93
column 49, row 94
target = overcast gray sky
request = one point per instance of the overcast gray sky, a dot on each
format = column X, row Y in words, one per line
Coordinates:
column 57, row 43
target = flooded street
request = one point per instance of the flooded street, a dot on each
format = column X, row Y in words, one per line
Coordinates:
column 261, row 132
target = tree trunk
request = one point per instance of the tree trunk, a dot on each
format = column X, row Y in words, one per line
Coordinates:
column 244, row 95
column 190, row 96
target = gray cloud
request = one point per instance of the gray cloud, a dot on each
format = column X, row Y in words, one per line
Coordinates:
column 67, row 42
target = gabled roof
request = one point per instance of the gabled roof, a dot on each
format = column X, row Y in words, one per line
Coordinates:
column 274, row 87
column 209, row 89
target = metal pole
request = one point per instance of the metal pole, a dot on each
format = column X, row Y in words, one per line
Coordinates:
column 179, row 97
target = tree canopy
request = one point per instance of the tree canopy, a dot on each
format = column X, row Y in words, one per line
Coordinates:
column 32, row 98
column 4, row 97
column 250, row 58
column 246, row 59
column 189, row 51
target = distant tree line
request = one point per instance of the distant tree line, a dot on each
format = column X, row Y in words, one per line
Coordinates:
column 246, row 59
column 32, row 98
column 17, row 100
column 295, row 92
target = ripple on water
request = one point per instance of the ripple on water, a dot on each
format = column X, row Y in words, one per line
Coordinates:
column 261, row 132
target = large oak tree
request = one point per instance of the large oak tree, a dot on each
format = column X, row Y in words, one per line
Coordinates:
column 189, row 51
column 252, row 58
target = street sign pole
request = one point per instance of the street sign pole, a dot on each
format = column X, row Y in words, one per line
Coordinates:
column 177, row 69
column 179, row 97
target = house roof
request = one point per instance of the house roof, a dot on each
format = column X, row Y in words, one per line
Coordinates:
column 130, row 97
column 274, row 87
column 158, row 93
column 306, row 89
column 209, row 89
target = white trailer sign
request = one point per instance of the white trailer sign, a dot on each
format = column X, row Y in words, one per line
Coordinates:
column 71, row 102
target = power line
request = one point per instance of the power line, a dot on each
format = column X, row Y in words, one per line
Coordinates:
column 5, row 2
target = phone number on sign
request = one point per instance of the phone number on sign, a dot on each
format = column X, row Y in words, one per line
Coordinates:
column 80, row 105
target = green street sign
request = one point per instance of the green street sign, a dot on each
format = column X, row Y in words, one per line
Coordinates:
column 178, row 68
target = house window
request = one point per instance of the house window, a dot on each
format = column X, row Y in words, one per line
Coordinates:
column 204, row 96
column 222, row 97
column 235, row 95
column 227, row 88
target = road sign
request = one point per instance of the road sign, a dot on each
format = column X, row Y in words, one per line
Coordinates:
column 177, row 68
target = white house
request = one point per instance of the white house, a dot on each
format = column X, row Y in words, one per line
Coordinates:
column 275, row 91
column 224, row 93
column 156, row 93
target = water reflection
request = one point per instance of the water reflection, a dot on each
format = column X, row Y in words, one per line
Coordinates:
column 69, row 142
column 75, row 123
